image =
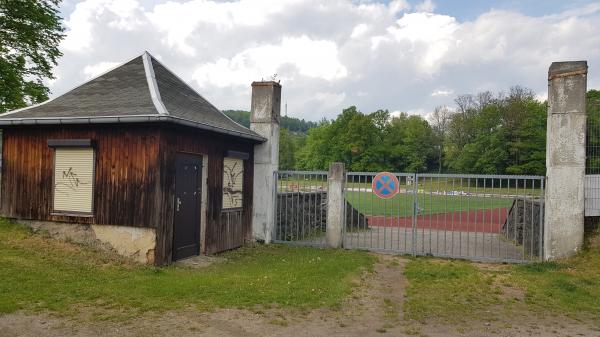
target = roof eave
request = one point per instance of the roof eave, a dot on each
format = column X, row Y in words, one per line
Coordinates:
column 127, row 119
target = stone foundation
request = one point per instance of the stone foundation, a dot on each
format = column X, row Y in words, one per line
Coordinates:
column 135, row 243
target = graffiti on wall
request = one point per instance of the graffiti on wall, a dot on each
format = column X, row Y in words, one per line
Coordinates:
column 233, row 175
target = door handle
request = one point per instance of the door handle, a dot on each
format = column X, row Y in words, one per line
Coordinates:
column 178, row 204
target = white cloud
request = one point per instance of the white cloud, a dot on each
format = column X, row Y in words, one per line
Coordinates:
column 397, row 6
column 293, row 56
column 51, row 82
column 428, row 35
column 541, row 96
column 89, row 15
column 442, row 93
column 331, row 54
column 396, row 113
column 330, row 99
column 359, row 30
column 181, row 20
column 94, row 70
column 417, row 111
column 426, row 6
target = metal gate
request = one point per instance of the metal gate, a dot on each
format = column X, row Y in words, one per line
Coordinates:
column 477, row 217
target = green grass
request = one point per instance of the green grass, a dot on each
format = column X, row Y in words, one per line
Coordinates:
column 446, row 290
column 569, row 286
column 401, row 205
column 41, row 273
column 457, row 290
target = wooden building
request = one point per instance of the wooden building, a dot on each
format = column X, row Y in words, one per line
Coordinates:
column 136, row 151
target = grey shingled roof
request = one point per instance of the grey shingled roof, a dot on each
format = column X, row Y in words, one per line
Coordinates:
column 141, row 90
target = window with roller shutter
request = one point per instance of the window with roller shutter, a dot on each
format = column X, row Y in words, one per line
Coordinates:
column 73, row 180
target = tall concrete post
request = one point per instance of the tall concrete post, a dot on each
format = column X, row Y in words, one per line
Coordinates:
column 565, row 159
column 264, row 120
column 335, row 204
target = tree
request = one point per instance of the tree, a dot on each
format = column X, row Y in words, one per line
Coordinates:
column 352, row 138
column 439, row 120
column 410, row 141
column 490, row 134
column 291, row 123
column 287, row 150
column 30, row 32
column 316, row 154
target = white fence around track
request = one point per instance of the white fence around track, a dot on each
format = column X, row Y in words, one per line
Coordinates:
column 477, row 217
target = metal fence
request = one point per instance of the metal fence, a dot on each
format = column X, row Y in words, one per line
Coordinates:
column 592, row 159
column 478, row 217
column 301, row 208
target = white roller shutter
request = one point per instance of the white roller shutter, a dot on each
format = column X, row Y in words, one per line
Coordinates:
column 233, row 182
column 73, row 180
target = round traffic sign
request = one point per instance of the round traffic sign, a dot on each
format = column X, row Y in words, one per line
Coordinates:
column 385, row 185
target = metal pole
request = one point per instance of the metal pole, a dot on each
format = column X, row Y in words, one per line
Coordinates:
column 415, row 209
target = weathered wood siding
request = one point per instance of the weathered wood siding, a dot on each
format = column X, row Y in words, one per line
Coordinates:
column 125, row 177
column 220, row 234
column 134, row 181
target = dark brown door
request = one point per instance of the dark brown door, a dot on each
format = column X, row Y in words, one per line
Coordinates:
column 188, row 192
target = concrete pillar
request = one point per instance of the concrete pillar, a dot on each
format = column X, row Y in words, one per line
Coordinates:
column 565, row 159
column 264, row 120
column 335, row 204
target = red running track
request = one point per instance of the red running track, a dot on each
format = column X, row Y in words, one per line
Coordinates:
column 483, row 221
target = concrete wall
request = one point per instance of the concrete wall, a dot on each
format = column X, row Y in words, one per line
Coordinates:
column 301, row 214
column 522, row 226
column 264, row 120
column 565, row 159
column 132, row 242
column 136, row 243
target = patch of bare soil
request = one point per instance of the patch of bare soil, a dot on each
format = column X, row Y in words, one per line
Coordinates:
column 515, row 323
column 375, row 309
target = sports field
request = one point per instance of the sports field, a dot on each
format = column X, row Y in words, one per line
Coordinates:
column 428, row 203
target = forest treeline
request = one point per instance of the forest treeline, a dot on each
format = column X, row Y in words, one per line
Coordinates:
column 292, row 124
column 485, row 133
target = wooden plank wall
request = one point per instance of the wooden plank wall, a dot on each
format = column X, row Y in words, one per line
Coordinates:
column 134, row 179
column 220, row 235
column 125, row 178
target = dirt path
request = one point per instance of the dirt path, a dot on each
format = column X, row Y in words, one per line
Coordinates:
column 375, row 309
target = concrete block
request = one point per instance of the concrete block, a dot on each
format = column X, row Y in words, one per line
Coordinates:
column 335, row 205
column 264, row 120
column 136, row 243
column 565, row 159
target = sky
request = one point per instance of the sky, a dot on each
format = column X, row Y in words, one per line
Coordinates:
column 401, row 55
